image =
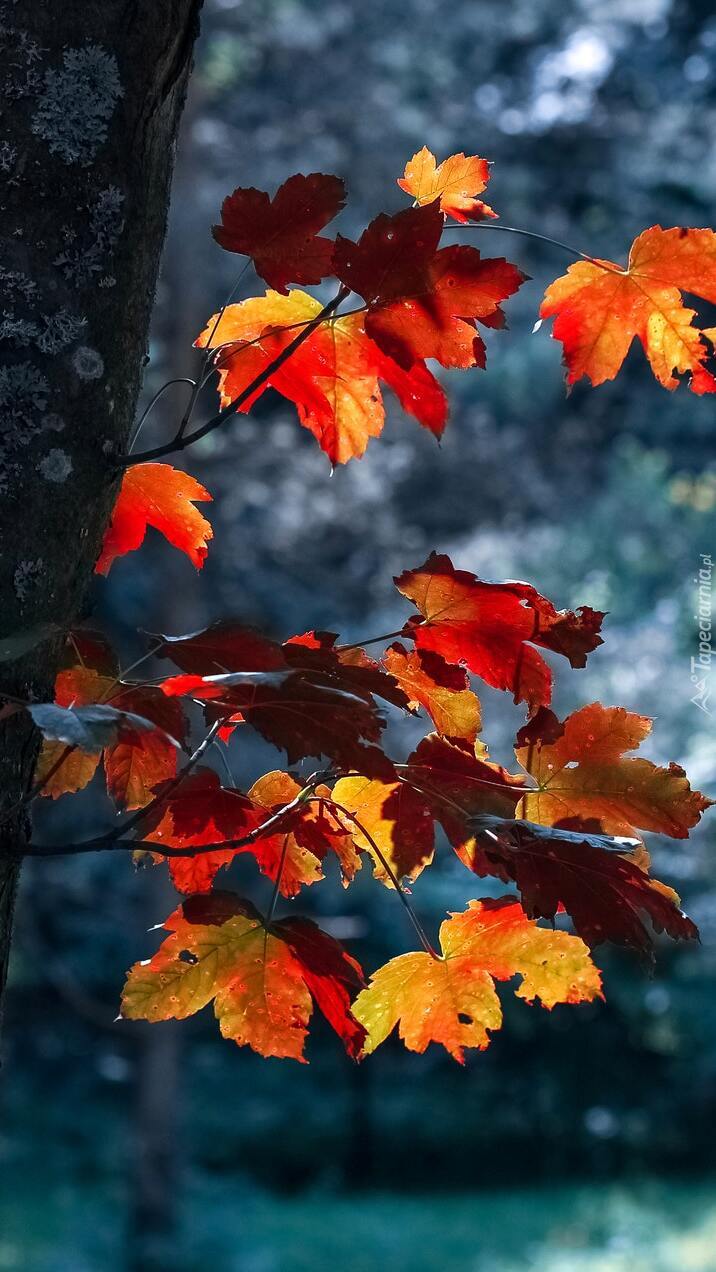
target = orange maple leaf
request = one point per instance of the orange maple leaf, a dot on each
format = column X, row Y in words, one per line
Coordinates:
column 599, row 308
column 332, row 378
column 585, row 773
column 262, row 979
column 438, row 686
column 455, row 182
column 397, row 821
column 452, row 1000
column 163, row 497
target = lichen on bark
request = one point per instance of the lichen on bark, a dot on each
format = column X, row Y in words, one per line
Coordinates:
column 93, row 92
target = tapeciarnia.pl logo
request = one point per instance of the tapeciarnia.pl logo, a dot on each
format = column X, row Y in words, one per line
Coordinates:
column 701, row 663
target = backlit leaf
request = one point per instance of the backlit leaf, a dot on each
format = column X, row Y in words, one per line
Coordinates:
column 163, row 497
column 602, row 883
column 261, row 980
column 455, row 182
column 491, row 628
column 599, row 308
column 333, row 378
column 424, row 302
column 440, row 687
column 397, row 821
column 587, row 774
column 452, row 1000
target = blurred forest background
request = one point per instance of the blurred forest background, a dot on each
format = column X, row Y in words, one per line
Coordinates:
column 583, row 1139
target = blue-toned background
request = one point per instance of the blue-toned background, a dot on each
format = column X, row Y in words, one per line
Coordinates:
column 582, row 1141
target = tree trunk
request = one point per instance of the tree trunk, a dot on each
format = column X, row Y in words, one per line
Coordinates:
column 92, row 94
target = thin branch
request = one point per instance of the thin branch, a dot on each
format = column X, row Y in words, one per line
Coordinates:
column 302, row 797
column 391, row 875
column 372, row 640
column 115, row 841
column 170, row 787
column 182, row 379
column 180, row 443
column 200, row 380
column 277, row 881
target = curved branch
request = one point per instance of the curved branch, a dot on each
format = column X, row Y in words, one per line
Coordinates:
column 115, row 841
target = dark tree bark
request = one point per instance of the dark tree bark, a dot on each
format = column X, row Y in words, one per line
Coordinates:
column 92, row 94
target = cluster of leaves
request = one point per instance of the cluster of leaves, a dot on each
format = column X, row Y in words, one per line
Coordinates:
column 564, row 829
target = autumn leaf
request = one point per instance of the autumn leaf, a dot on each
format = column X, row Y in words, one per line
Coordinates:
column 440, row 687
column 324, row 706
column 331, row 975
column 424, row 302
column 455, row 182
column 225, row 646
column 89, row 728
column 394, row 825
column 417, row 390
column 293, row 849
column 602, row 883
column 346, row 375
column 197, row 812
column 163, row 497
column 332, row 378
column 201, row 811
column 452, row 1000
column 262, row 980
column 459, row 784
column 62, row 770
column 586, row 773
column 491, row 628
column 311, row 833
column 134, row 762
column 599, row 308
column 281, row 234
column 392, row 258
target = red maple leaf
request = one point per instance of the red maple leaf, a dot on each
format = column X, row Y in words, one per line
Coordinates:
column 281, row 234
column 309, row 702
column 491, row 628
column 423, row 302
column 602, row 884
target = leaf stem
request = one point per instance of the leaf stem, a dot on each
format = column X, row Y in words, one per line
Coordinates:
column 372, row 640
column 301, row 798
column 331, row 803
column 199, row 383
column 150, row 407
